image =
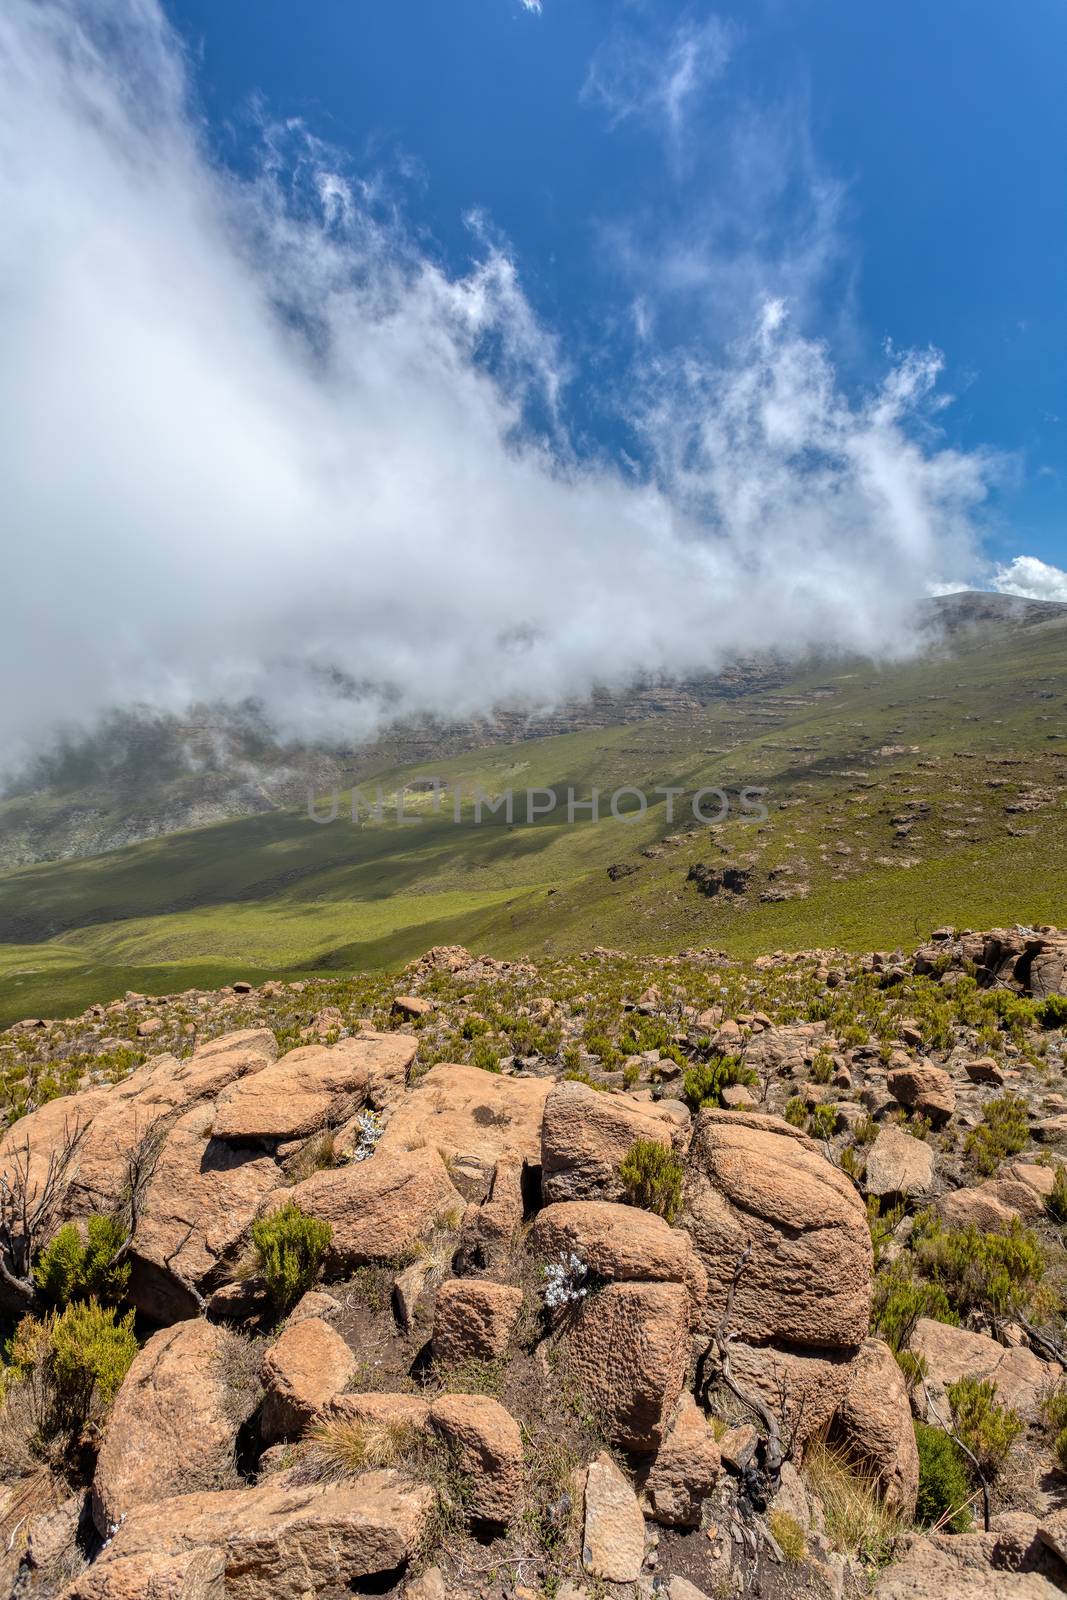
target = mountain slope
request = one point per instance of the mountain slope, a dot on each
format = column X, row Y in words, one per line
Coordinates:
column 897, row 798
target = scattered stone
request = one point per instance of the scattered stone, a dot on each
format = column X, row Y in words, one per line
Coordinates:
column 614, row 1541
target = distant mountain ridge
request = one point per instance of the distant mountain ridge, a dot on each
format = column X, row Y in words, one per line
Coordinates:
column 143, row 774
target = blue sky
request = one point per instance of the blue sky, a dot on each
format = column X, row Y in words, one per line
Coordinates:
column 899, row 172
column 381, row 359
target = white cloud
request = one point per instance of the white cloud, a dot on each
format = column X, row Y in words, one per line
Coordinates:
column 1031, row 578
column 532, row 5
column 628, row 78
column 256, row 442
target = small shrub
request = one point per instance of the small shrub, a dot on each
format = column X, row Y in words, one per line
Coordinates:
column 822, row 1068
column 1053, row 1408
column 866, row 1130
column 652, row 1176
column 796, row 1111
column 290, row 1246
column 71, row 1364
column 1003, row 1131
column 823, row 1122
column 998, row 1273
column 703, row 1084
column 900, row 1300
column 944, row 1484
column 852, row 1164
column 881, row 1225
column 71, row 1268
column 987, row 1429
column 1052, row 1013
column 1056, row 1204
column 789, row 1537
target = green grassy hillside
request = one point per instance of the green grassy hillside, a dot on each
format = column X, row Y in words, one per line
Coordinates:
column 898, row 798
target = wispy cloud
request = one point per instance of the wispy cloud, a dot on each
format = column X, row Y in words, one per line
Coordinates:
column 1031, row 578
column 532, row 5
column 657, row 80
column 258, row 442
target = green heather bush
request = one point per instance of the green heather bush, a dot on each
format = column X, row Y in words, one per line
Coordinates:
column 796, row 1111
column 1052, row 1013
column 822, row 1068
column 703, row 1084
column 822, row 1122
column 290, row 1246
column 944, row 1483
column 652, row 1175
column 1053, row 1408
column 1056, row 1204
column 998, row 1273
column 1003, row 1131
column 881, row 1224
column 900, row 1300
column 71, row 1364
column 71, row 1268
column 987, row 1429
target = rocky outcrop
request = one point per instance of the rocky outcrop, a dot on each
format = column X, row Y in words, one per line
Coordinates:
column 378, row 1209
column 627, row 1351
column 306, row 1366
column 472, row 1117
column 898, row 1164
column 685, row 1469
column 486, row 1446
column 613, row 1546
column 584, row 1137
column 474, row 1320
column 755, row 1183
column 174, row 1423
column 276, row 1542
column 954, row 1353
column 923, row 1088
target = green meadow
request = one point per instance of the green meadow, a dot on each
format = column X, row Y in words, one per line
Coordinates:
column 898, row 798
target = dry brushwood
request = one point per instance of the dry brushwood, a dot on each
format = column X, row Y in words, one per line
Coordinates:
column 28, row 1216
column 714, row 1368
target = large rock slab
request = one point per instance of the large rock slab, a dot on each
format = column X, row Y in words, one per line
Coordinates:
column 474, row 1320
column 486, row 1445
column 992, row 1207
column 586, row 1134
column 802, row 1387
column 873, row 1424
column 954, row 1353
column 465, row 1112
column 114, row 1120
column 754, row 1181
column 307, row 1090
column 899, row 1164
column 378, row 1209
column 280, row 1542
column 305, row 1367
column 960, row 1568
column 627, row 1352
column 191, row 1575
column 197, row 1209
column 685, row 1469
column 922, row 1087
column 174, row 1423
column 619, row 1244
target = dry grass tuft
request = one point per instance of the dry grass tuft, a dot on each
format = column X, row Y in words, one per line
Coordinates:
column 858, row 1522
column 344, row 1447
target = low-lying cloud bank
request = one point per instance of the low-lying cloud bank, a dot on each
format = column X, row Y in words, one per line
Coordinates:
column 256, row 442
